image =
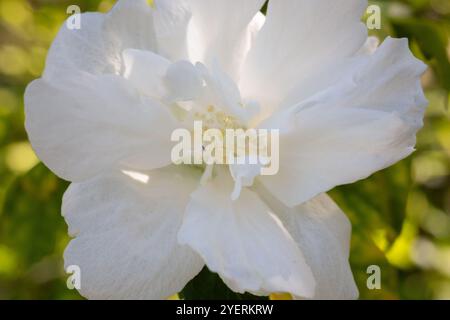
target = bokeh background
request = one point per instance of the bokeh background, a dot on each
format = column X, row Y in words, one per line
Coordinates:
column 401, row 216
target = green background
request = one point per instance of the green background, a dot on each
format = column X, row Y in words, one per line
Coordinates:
column 400, row 217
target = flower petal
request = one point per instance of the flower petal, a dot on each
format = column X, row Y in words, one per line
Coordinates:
column 323, row 232
column 171, row 20
column 88, row 124
column 220, row 31
column 365, row 123
column 146, row 71
column 126, row 234
column 244, row 242
column 97, row 46
column 298, row 39
column 184, row 81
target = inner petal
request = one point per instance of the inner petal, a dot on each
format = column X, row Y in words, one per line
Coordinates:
column 209, row 97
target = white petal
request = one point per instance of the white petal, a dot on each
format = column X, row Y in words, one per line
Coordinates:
column 323, row 232
column 88, row 124
column 222, row 92
column 244, row 242
column 298, row 39
column 365, row 123
column 219, row 31
column 171, row 20
column 391, row 81
column 126, row 234
column 146, row 71
column 326, row 147
column 330, row 75
column 244, row 171
column 184, row 81
column 98, row 45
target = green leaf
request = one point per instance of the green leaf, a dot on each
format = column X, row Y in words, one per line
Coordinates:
column 32, row 228
column 208, row 286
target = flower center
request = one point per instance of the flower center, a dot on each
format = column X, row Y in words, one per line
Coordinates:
column 217, row 119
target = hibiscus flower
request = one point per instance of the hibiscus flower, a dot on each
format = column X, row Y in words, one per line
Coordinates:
column 113, row 92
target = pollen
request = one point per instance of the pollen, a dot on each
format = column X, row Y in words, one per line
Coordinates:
column 214, row 118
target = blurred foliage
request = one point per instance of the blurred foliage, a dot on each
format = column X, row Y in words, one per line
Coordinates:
column 400, row 217
column 208, row 285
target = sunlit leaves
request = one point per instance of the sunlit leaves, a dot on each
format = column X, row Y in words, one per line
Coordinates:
column 33, row 236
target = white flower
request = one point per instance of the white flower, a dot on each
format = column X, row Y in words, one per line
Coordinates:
column 113, row 91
